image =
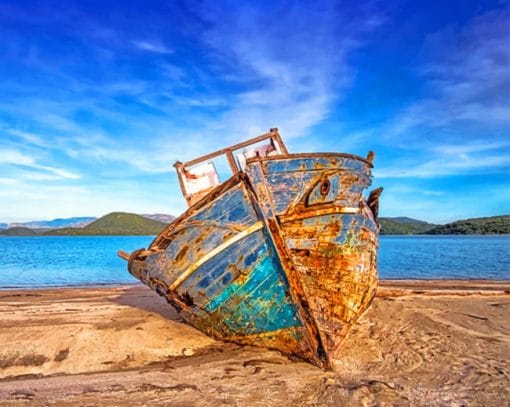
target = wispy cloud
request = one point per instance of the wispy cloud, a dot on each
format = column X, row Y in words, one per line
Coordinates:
column 28, row 137
column 42, row 200
column 469, row 148
column 448, row 159
column 443, row 206
column 8, row 181
column 469, row 77
column 17, row 158
column 292, row 71
column 57, row 171
column 116, row 99
column 444, row 167
column 464, row 126
column 153, row 46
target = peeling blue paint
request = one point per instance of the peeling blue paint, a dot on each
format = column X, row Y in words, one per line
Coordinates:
column 293, row 208
column 259, row 304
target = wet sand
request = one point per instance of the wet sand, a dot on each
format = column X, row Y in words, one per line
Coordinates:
column 420, row 343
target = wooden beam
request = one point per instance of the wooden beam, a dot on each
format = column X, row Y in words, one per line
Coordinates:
column 272, row 134
column 123, row 255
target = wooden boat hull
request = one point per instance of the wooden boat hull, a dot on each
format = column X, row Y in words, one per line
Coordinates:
column 329, row 233
column 281, row 256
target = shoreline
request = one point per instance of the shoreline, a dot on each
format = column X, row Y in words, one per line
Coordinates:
column 66, row 287
column 421, row 343
column 454, row 284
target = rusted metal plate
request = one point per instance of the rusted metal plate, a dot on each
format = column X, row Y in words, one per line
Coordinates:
column 283, row 256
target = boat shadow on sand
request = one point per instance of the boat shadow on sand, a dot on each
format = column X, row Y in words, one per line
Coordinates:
column 142, row 298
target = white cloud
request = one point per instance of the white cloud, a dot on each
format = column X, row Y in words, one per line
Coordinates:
column 469, row 75
column 464, row 128
column 468, row 148
column 444, row 166
column 15, row 157
column 153, row 46
column 29, row 200
column 286, row 75
column 443, row 206
column 57, row 171
column 292, row 71
column 8, row 181
column 28, row 137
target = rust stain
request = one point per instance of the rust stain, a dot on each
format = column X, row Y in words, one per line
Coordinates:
column 319, row 251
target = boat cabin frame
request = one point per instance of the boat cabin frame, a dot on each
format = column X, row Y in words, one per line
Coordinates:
column 208, row 179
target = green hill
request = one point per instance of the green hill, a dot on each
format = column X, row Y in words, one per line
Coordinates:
column 403, row 226
column 19, row 231
column 494, row 225
column 120, row 223
column 116, row 223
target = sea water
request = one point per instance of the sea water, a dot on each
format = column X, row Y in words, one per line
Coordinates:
column 50, row 261
column 445, row 256
column 66, row 260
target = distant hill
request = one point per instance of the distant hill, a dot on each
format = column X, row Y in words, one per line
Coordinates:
column 116, row 223
column 403, row 226
column 160, row 217
column 121, row 223
column 475, row 226
column 18, row 231
column 408, row 221
column 75, row 222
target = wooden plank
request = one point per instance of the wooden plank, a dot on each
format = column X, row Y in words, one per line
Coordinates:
column 217, row 250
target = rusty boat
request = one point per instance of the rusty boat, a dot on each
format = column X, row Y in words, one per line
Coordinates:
column 283, row 254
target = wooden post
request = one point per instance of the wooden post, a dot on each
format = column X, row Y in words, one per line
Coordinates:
column 180, row 174
column 278, row 139
column 232, row 162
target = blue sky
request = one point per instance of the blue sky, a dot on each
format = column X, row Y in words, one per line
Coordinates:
column 98, row 100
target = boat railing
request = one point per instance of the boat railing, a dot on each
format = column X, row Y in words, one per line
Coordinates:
column 199, row 176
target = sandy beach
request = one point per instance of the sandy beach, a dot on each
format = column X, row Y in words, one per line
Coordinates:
column 420, row 343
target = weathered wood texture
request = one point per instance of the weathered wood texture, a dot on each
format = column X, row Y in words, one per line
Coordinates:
column 333, row 254
column 182, row 168
column 238, row 293
column 283, row 256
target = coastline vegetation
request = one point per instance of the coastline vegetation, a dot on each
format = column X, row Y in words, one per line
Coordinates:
column 494, row 225
column 403, row 226
column 116, row 223
column 121, row 223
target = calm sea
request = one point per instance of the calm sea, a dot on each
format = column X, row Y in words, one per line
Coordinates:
column 92, row 260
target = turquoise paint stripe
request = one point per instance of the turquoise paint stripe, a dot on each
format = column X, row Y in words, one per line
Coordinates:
column 259, row 304
column 252, row 281
column 266, row 316
column 267, row 308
